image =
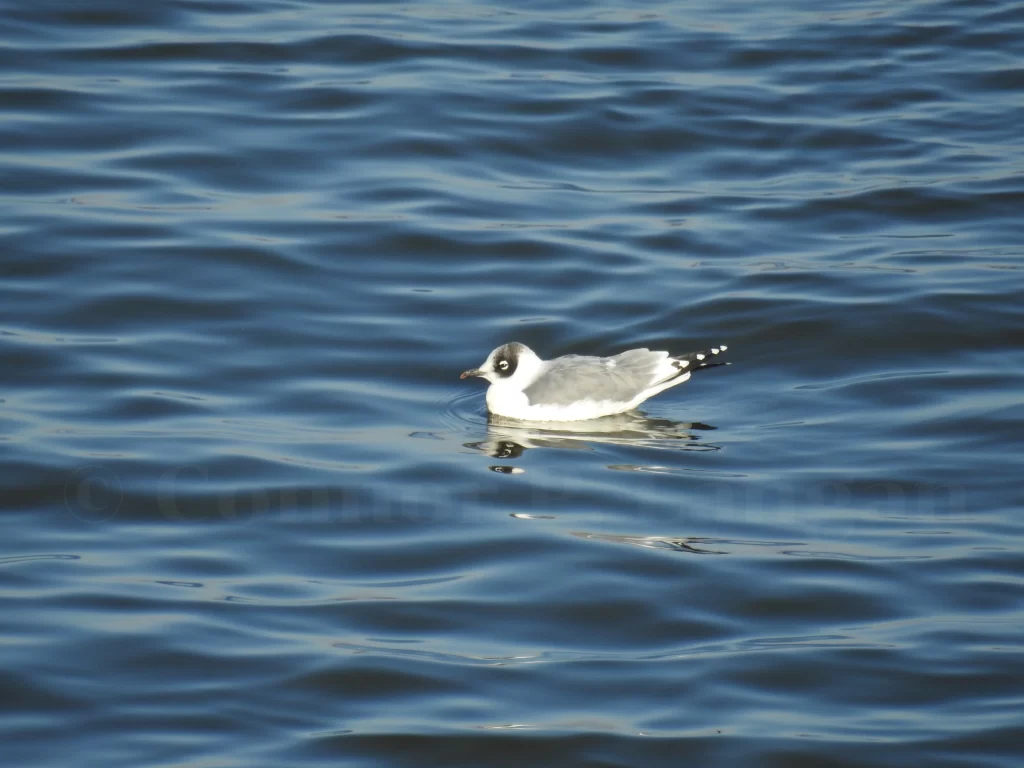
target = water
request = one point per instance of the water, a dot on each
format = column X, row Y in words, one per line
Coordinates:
column 251, row 516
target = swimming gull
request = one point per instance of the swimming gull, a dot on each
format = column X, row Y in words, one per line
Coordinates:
column 575, row 387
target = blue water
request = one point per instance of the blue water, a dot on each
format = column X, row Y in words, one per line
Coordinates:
column 251, row 517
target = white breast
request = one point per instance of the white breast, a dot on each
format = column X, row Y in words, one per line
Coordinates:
column 506, row 399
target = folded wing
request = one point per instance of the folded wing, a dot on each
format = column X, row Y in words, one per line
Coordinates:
column 618, row 379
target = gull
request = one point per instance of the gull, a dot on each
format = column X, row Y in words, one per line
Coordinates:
column 576, row 387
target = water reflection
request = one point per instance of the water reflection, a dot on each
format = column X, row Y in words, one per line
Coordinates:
column 694, row 545
column 510, row 438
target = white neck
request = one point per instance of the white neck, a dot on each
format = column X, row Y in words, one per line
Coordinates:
column 505, row 396
column 527, row 370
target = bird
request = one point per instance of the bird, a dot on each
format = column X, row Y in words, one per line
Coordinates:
column 577, row 387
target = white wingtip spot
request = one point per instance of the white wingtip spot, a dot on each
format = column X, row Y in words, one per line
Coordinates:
column 700, row 357
column 714, row 350
column 723, row 347
column 683, row 363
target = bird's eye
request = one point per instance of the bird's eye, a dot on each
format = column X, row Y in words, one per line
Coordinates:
column 503, row 364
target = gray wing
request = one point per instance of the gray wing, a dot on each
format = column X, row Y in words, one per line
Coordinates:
column 572, row 378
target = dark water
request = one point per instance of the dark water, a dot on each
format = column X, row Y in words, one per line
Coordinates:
column 250, row 515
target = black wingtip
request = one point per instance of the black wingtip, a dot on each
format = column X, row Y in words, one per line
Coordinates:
column 698, row 361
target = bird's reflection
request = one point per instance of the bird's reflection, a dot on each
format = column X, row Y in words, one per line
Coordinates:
column 695, row 545
column 510, row 438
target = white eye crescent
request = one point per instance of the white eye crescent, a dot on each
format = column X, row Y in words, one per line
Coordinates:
column 503, row 365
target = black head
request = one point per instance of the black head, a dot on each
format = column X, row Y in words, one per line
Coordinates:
column 502, row 363
column 505, row 359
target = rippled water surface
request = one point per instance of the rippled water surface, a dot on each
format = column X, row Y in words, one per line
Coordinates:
column 252, row 517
